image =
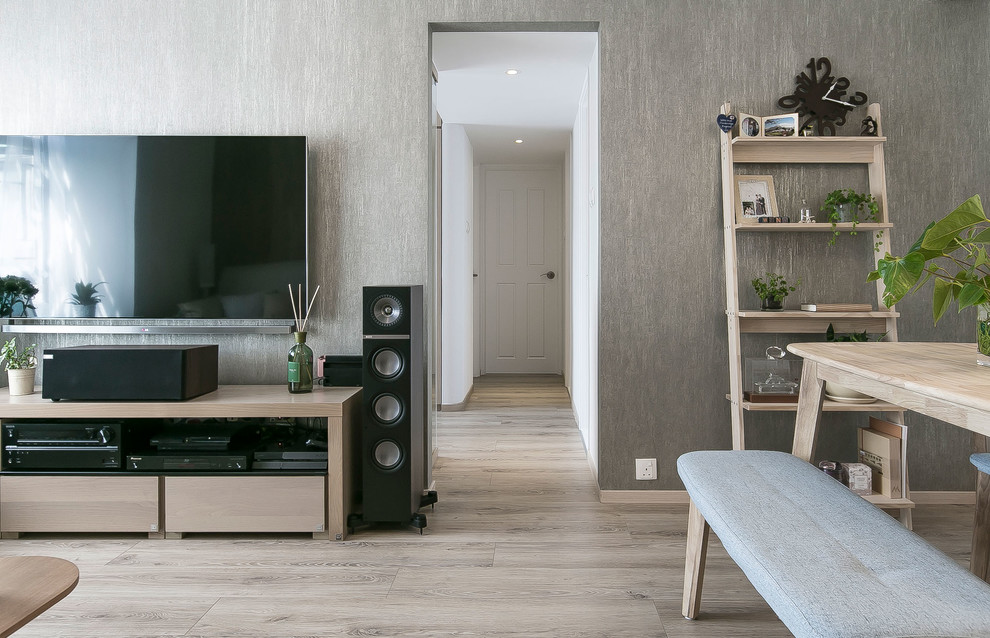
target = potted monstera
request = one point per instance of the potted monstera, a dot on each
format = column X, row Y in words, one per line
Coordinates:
column 21, row 365
column 952, row 254
column 85, row 298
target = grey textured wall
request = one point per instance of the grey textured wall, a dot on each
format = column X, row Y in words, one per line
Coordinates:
column 352, row 75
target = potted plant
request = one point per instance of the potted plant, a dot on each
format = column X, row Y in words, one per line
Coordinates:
column 21, row 365
column 952, row 252
column 85, row 299
column 846, row 205
column 772, row 289
column 16, row 294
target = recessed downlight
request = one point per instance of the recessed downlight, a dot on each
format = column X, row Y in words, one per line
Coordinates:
column 519, row 141
column 512, row 72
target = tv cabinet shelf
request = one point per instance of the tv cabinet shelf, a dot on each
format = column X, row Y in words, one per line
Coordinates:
column 169, row 504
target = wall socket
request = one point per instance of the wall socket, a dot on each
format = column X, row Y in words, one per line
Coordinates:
column 646, row 469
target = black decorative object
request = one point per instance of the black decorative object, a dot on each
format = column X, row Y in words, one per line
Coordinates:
column 869, row 127
column 820, row 97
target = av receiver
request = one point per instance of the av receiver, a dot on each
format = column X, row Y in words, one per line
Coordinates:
column 36, row 445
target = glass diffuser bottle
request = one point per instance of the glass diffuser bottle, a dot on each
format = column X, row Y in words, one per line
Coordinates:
column 300, row 365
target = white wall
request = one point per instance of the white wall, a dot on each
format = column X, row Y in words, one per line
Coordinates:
column 582, row 375
column 457, row 282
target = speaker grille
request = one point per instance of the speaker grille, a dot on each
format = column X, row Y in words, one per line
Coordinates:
column 386, row 363
column 387, row 408
column 388, row 454
column 386, row 310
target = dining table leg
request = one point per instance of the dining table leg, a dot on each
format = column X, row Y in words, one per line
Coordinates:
column 979, row 558
column 809, row 411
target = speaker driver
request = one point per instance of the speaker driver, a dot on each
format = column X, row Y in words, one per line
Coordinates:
column 387, row 408
column 386, row 311
column 388, row 455
column 386, row 363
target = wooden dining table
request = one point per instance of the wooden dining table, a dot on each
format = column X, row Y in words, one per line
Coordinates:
column 29, row 585
column 940, row 380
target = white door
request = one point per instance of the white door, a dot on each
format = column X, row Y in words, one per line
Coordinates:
column 523, row 257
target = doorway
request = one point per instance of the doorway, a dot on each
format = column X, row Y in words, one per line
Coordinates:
column 515, row 129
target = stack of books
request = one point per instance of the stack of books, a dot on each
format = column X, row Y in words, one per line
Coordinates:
column 883, row 447
column 837, row 307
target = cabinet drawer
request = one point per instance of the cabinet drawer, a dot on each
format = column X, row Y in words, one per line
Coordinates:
column 78, row 503
column 245, row 503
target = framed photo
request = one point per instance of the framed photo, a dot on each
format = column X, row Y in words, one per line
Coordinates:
column 755, row 198
column 750, row 125
column 781, row 125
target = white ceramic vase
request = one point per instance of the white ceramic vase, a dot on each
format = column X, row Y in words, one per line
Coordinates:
column 21, row 381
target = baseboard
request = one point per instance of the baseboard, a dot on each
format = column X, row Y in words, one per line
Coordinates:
column 943, row 498
column 658, row 497
column 458, row 407
column 679, row 497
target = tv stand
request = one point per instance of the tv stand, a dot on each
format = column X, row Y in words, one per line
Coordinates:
column 170, row 504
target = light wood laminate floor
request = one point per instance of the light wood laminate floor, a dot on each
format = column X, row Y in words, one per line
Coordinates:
column 518, row 545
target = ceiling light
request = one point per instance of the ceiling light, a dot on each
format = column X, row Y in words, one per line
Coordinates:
column 518, row 141
column 512, row 72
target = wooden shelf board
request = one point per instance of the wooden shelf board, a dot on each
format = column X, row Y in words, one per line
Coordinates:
column 818, row 150
column 792, row 314
column 804, row 322
column 827, row 406
column 890, row 503
column 817, row 227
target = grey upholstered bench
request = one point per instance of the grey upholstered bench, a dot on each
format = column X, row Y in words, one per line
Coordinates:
column 827, row 562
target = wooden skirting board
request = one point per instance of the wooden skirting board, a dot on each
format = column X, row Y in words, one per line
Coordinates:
column 680, row 497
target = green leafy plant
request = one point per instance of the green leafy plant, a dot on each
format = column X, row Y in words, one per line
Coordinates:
column 85, row 294
column 773, row 286
column 863, row 207
column 16, row 290
column 18, row 359
column 831, row 336
column 952, row 252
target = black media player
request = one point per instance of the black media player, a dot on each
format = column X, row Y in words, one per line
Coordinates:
column 201, row 463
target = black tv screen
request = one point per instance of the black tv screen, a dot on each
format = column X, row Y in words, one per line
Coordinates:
column 194, row 227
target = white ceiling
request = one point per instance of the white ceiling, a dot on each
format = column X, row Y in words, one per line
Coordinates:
column 538, row 105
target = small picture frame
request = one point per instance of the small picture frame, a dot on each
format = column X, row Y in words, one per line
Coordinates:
column 755, row 199
column 750, row 125
column 781, row 125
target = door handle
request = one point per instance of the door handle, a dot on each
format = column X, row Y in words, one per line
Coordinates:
column 549, row 274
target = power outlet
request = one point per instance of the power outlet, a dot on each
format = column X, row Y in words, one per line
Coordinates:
column 646, row 469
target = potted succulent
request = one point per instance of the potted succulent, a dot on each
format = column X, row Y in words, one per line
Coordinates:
column 952, row 252
column 846, row 205
column 16, row 295
column 85, row 299
column 772, row 289
column 21, row 365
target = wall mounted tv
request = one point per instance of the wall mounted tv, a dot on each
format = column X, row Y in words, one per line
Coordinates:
column 184, row 228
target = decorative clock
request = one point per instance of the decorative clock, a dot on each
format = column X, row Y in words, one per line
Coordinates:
column 820, row 98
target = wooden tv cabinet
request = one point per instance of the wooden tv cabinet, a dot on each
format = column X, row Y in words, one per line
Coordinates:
column 172, row 503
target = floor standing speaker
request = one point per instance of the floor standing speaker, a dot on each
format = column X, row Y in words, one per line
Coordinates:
column 394, row 378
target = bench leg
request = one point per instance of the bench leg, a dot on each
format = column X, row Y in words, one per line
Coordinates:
column 694, row 563
column 979, row 558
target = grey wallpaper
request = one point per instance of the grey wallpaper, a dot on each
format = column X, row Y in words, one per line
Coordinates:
column 352, row 75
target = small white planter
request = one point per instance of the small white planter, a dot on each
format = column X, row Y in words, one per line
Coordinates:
column 21, row 381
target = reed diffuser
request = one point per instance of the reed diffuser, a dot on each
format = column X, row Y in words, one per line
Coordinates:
column 300, row 373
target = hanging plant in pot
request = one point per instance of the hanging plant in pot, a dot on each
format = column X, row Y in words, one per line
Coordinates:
column 85, row 299
column 952, row 253
column 848, row 206
column 772, row 289
column 21, row 366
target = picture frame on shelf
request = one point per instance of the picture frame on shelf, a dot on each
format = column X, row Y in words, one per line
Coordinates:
column 750, row 125
column 781, row 125
column 755, row 199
